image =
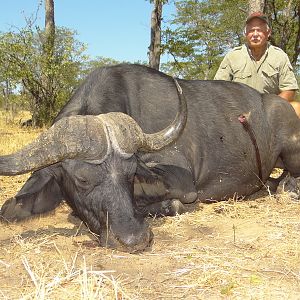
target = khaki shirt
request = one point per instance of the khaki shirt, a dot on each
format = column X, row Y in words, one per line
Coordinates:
column 272, row 74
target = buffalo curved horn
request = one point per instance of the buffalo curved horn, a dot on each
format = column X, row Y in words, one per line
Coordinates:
column 91, row 138
column 66, row 138
column 159, row 140
column 127, row 137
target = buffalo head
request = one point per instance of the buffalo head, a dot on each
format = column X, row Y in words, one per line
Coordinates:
column 93, row 161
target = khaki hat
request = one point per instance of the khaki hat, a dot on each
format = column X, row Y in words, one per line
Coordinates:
column 258, row 15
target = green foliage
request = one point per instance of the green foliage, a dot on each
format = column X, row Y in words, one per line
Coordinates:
column 255, row 279
column 203, row 31
column 199, row 35
column 48, row 80
column 162, row 1
column 100, row 62
column 228, row 288
column 284, row 20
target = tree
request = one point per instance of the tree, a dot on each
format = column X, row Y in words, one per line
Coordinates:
column 45, row 103
column 155, row 40
column 99, row 62
column 46, row 64
column 200, row 34
column 203, row 31
column 49, row 30
column 22, row 62
column 256, row 5
column 284, row 19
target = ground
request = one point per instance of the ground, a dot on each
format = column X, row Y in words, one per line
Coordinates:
column 246, row 249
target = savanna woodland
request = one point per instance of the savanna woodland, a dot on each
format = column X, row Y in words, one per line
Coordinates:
column 227, row 250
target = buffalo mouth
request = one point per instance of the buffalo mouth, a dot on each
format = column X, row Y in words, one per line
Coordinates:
column 131, row 243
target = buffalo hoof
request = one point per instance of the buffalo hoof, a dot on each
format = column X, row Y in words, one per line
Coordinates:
column 189, row 198
column 171, row 208
column 12, row 211
column 177, row 208
column 290, row 185
column 165, row 208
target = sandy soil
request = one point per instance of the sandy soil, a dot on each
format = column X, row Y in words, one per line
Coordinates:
column 226, row 250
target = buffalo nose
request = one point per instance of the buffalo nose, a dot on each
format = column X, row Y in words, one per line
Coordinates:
column 138, row 242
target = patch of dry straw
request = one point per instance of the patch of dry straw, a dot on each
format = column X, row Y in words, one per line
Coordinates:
column 227, row 250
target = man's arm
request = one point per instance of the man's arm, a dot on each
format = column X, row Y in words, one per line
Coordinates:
column 224, row 72
column 288, row 95
column 287, row 80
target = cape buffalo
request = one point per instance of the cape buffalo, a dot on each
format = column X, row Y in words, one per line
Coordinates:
column 113, row 172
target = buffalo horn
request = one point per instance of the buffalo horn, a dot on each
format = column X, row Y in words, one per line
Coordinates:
column 127, row 137
column 67, row 138
column 91, row 138
column 157, row 141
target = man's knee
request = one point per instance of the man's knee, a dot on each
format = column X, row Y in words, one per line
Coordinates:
column 296, row 106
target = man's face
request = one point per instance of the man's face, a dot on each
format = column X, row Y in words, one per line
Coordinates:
column 257, row 33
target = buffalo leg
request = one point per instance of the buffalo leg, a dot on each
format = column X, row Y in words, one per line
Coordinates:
column 290, row 185
column 165, row 208
column 178, row 181
column 163, row 190
column 40, row 194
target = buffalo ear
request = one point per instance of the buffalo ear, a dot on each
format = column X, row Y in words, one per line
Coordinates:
column 144, row 173
column 149, row 187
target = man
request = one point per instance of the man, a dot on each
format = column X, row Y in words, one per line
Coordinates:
column 259, row 64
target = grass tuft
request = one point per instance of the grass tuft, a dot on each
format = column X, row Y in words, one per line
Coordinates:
column 228, row 250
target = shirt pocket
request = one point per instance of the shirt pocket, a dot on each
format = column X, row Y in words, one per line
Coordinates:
column 270, row 76
column 241, row 75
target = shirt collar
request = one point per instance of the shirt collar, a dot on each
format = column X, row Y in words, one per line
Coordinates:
column 263, row 57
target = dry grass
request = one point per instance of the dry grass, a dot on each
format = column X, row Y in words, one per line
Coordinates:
column 42, row 271
column 13, row 137
column 226, row 250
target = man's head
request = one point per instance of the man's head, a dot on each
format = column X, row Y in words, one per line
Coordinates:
column 257, row 30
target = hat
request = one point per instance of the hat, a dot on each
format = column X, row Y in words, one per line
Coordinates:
column 258, row 15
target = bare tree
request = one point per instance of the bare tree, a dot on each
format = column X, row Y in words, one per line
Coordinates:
column 155, row 41
column 43, row 91
column 44, row 100
column 256, row 5
column 49, row 27
column 285, row 23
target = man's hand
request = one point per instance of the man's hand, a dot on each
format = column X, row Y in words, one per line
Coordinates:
column 288, row 95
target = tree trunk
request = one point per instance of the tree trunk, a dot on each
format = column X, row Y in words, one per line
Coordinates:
column 155, row 43
column 49, row 26
column 297, row 48
column 44, row 98
column 256, row 5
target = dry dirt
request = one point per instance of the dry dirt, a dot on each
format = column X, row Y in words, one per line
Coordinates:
column 226, row 250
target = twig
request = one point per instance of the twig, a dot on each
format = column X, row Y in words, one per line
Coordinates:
column 5, row 264
column 31, row 274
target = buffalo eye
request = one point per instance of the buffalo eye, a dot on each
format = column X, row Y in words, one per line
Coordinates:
column 82, row 177
column 81, row 181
